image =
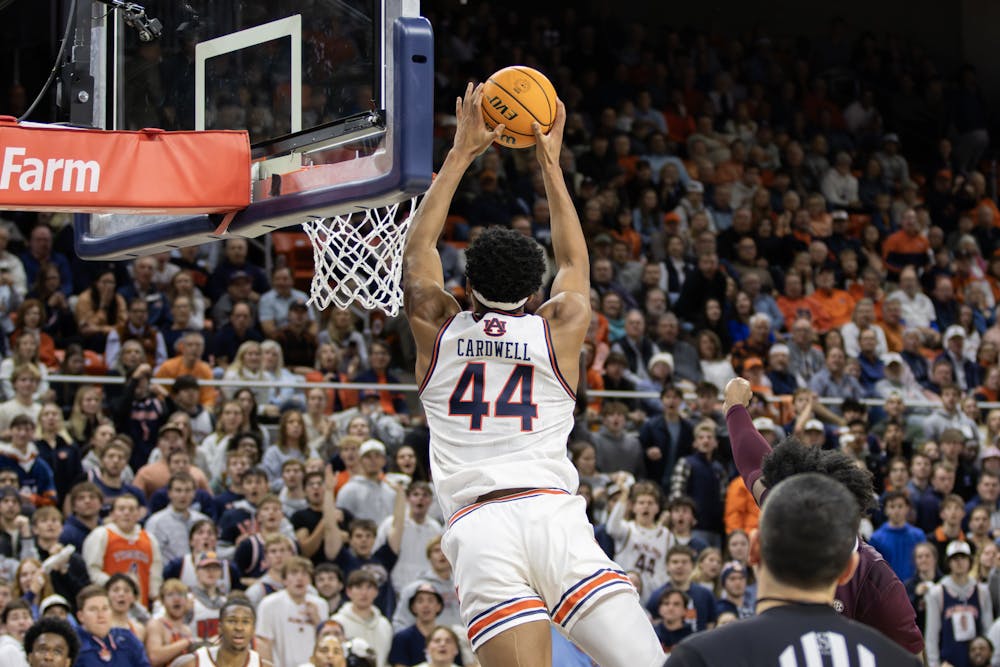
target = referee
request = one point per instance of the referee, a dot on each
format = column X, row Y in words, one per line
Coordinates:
column 804, row 548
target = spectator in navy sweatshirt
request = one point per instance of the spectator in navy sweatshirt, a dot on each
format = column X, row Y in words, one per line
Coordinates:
column 703, row 479
column 85, row 501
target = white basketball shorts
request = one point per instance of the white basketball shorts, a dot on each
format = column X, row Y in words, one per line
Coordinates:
column 530, row 556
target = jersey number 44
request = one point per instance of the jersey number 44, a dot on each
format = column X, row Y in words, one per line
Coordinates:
column 468, row 398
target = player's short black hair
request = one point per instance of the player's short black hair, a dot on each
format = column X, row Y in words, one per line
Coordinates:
column 53, row 626
column 504, row 265
column 808, row 530
column 792, row 457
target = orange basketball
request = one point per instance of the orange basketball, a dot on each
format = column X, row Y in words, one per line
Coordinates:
column 517, row 97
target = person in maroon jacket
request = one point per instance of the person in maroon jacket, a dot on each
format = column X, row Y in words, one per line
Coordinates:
column 874, row 595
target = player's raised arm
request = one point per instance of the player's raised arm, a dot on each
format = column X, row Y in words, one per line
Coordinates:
column 568, row 243
column 568, row 308
column 422, row 273
column 425, row 300
column 749, row 446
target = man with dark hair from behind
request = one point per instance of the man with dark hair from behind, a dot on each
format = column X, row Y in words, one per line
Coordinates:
column 51, row 642
column 804, row 549
column 873, row 595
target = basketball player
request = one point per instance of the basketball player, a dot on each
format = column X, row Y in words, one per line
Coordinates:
column 873, row 595
column 236, row 631
column 497, row 385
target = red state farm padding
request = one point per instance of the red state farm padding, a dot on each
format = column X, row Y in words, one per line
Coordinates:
column 52, row 168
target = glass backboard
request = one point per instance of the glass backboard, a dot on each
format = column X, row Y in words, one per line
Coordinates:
column 337, row 96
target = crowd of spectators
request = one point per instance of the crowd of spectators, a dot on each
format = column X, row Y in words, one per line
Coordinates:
column 816, row 217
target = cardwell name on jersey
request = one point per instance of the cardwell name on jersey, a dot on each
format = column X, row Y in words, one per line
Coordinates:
column 53, row 174
column 467, row 347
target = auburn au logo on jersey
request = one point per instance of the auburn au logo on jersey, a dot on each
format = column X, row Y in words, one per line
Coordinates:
column 494, row 327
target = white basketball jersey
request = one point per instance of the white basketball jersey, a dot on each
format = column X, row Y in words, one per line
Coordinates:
column 498, row 409
column 205, row 657
column 644, row 550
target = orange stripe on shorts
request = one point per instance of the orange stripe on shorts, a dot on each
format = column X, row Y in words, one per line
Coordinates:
column 504, row 612
column 566, row 607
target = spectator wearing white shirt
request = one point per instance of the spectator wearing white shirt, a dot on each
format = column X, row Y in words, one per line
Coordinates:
column 840, row 186
column 918, row 309
column 16, row 276
column 16, row 620
column 861, row 114
column 418, row 530
column 287, row 619
column 863, row 320
column 949, row 416
column 361, row 619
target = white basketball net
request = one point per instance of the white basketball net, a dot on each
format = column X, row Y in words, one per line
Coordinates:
column 359, row 259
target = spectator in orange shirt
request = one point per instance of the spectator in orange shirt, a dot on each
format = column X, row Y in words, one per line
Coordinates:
column 820, row 222
column 731, row 170
column 755, row 345
column 679, row 114
column 622, row 148
column 869, row 287
column 595, row 380
column 793, row 304
column 742, row 512
column 835, row 305
column 967, row 274
column 892, row 323
column 978, row 183
column 188, row 362
column 906, row 247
